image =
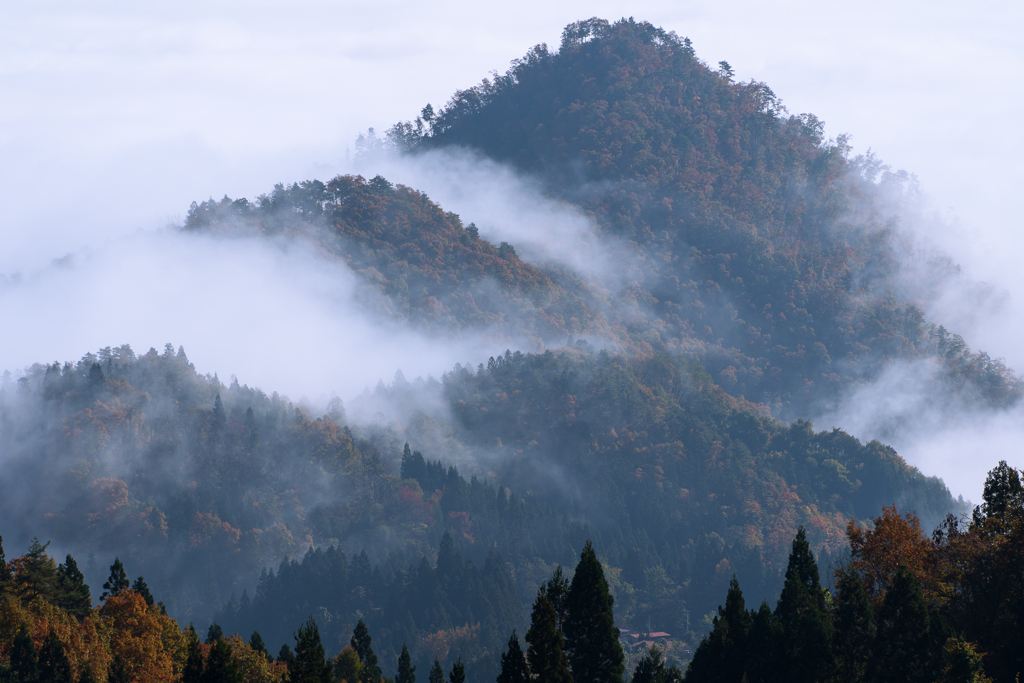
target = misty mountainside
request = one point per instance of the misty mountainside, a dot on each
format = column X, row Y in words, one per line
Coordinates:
column 760, row 247
column 418, row 262
column 200, row 486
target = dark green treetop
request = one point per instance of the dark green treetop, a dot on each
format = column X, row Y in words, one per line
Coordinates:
column 591, row 638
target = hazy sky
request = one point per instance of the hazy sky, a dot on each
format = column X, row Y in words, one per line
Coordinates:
column 114, row 116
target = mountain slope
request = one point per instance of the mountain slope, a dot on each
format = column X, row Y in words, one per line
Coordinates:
column 765, row 251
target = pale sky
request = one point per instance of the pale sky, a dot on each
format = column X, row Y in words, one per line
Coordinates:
column 114, row 116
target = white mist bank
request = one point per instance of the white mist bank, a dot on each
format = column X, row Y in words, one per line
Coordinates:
column 274, row 314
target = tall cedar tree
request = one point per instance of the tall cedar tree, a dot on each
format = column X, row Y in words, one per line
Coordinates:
column 721, row 655
column 214, row 633
column 193, row 671
column 558, row 590
column 513, row 663
column 284, row 655
column 762, row 647
column 436, row 672
column 853, row 628
column 221, row 667
column 546, row 655
column 804, row 621
column 310, row 664
column 117, row 582
column 257, row 644
column 75, row 597
column 39, row 573
column 902, row 642
column 23, row 662
column 142, row 589
column 406, row 671
column 591, row 638
column 54, row 666
column 458, row 672
column 361, row 643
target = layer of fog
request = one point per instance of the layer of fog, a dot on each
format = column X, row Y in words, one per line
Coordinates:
column 508, row 206
column 273, row 313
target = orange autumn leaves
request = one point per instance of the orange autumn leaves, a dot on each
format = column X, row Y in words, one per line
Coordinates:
column 151, row 646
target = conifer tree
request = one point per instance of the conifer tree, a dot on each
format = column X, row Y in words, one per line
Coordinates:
column 722, row 654
column 214, row 633
column 285, row 655
column 804, row 621
column 436, row 672
column 54, row 666
column 117, row 582
column 310, row 663
column 458, row 672
column 257, row 644
column 39, row 573
column 5, row 573
column 23, row 661
column 853, row 629
column 361, row 643
column 72, row 589
column 513, row 663
column 221, row 667
column 558, row 591
column 546, row 655
column 142, row 589
column 193, row 669
column 406, row 671
column 591, row 638
column 901, row 648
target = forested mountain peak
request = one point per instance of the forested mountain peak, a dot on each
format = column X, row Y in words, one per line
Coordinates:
column 763, row 249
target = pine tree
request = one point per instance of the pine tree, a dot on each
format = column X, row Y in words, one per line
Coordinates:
column 74, row 596
column 458, row 672
column 406, row 671
column 257, row 644
column 722, row 654
column 436, row 672
column 23, row 661
column 142, row 589
column 361, row 642
column 117, row 582
column 546, row 654
column 310, row 663
column 853, row 629
column 214, row 633
column 900, row 651
column 558, row 591
column 513, row 663
column 804, row 621
column 54, row 666
column 591, row 638
column 221, row 667
column 285, row 655
column 39, row 573
column 194, row 663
